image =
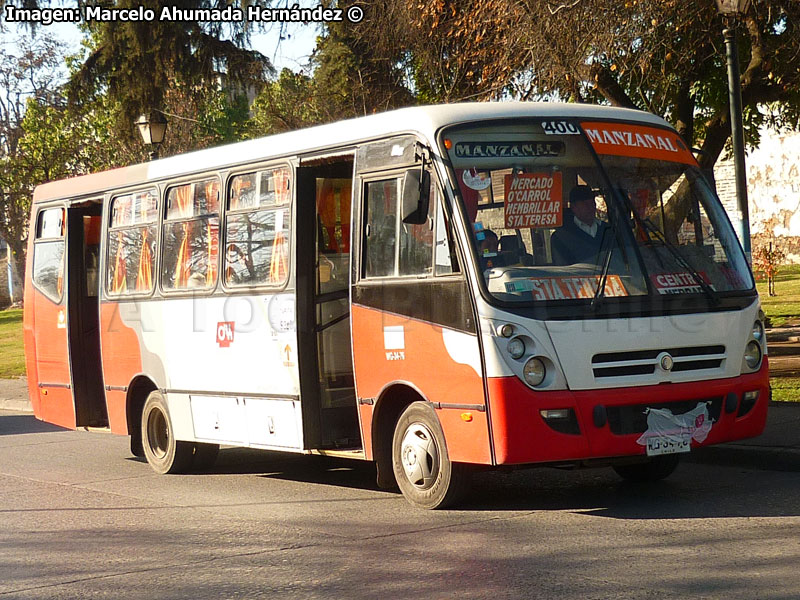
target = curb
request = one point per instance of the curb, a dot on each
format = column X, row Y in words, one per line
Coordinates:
column 23, row 406
column 783, row 334
column 764, row 458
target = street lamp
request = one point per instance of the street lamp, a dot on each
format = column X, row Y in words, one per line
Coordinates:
column 152, row 126
column 731, row 10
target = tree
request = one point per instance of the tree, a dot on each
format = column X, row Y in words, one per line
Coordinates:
column 666, row 57
column 285, row 104
column 29, row 73
column 350, row 77
column 148, row 65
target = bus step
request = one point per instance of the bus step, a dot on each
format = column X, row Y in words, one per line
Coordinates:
column 355, row 453
column 94, row 429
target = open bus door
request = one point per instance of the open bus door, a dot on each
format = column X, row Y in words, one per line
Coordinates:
column 83, row 258
column 46, row 318
column 327, row 387
column 68, row 386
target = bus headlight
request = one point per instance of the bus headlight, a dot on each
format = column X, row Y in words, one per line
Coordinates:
column 752, row 354
column 534, row 372
column 516, row 348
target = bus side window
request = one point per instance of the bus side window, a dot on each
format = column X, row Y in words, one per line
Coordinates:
column 257, row 235
column 381, row 229
column 132, row 243
column 392, row 247
column 48, row 253
column 191, row 236
column 416, row 243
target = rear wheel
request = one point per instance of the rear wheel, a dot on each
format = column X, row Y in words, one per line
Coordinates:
column 136, row 444
column 164, row 453
column 655, row 469
column 422, row 467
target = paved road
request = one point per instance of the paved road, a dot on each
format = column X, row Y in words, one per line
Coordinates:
column 79, row 518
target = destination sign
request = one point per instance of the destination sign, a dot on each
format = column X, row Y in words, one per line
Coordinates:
column 509, row 149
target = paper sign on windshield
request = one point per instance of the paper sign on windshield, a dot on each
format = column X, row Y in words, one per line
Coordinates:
column 621, row 139
column 678, row 283
column 533, row 200
column 567, row 288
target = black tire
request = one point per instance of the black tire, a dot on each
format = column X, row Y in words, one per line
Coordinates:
column 423, row 470
column 655, row 469
column 164, row 453
column 205, row 455
column 136, row 444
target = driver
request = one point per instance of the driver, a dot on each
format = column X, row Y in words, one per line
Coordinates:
column 580, row 238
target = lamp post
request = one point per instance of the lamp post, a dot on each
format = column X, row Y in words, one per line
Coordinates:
column 731, row 10
column 152, row 127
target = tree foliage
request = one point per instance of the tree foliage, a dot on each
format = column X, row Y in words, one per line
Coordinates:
column 666, row 57
column 350, row 77
column 144, row 65
column 29, row 71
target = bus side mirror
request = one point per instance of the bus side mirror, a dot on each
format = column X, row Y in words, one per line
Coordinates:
column 416, row 195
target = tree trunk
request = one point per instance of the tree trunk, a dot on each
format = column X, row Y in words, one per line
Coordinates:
column 16, row 258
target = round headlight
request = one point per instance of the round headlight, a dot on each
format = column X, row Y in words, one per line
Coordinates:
column 534, row 372
column 516, row 348
column 507, row 330
column 758, row 331
column 752, row 354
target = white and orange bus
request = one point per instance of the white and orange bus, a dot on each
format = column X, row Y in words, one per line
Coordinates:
column 432, row 289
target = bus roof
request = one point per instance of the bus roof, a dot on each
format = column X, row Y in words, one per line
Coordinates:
column 425, row 120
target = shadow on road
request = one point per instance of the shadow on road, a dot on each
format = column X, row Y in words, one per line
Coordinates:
column 694, row 491
column 323, row 470
column 22, row 424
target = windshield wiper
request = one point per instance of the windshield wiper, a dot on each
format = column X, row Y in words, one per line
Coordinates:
column 647, row 226
column 707, row 289
column 600, row 292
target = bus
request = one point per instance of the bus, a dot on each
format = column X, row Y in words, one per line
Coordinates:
column 435, row 289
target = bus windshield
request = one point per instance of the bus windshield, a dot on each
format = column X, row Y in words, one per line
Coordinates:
column 552, row 223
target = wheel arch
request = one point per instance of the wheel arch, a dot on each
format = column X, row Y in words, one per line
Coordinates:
column 138, row 391
column 389, row 405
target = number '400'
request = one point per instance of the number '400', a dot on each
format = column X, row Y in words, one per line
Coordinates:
column 560, row 127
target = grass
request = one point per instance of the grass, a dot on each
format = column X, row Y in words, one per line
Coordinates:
column 12, row 354
column 783, row 309
column 785, row 389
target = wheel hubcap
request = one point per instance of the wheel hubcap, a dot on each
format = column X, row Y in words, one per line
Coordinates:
column 157, row 433
column 419, row 456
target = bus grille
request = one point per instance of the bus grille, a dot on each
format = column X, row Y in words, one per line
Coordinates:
column 645, row 362
column 632, row 418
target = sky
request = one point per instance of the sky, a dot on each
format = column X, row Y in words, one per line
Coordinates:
column 291, row 52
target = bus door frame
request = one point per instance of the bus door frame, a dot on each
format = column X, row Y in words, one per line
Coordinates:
column 316, row 431
column 83, row 326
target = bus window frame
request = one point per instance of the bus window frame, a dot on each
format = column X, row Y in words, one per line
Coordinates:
column 163, row 221
column 611, row 308
column 37, row 240
column 438, row 191
column 247, row 170
column 109, row 201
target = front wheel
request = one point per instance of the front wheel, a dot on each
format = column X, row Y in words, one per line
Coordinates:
column 655, row 469
column 164, row 453
column 422, row 467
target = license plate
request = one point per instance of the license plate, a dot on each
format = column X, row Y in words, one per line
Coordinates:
column 657, row 446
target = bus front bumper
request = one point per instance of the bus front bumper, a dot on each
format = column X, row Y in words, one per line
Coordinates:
column 564, row 426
